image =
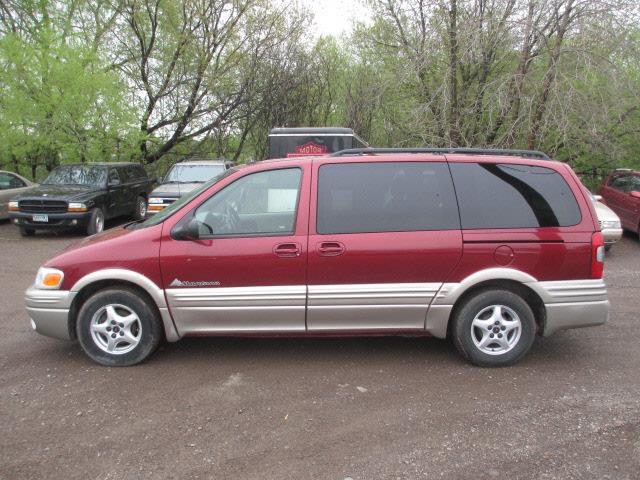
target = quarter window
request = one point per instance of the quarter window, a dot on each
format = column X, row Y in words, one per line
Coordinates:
column 385, row 197
column 261, row 203
column 513, row 196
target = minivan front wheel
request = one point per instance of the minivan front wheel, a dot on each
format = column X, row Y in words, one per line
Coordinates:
column 118, row 327
column 494, row 328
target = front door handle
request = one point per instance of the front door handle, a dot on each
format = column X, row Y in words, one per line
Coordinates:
column 330, row 249
column 287, row 250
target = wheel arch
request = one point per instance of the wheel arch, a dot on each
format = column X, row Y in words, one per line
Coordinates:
column 452, row 295
column 110, row 278
column 522, row 290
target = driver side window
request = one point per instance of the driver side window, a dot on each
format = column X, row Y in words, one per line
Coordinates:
column 260, row 203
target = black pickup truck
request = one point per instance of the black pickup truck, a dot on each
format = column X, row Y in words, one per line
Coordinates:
column 83, row 196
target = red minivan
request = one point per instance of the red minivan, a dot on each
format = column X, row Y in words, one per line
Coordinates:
column 487, row 247
column 621, row 193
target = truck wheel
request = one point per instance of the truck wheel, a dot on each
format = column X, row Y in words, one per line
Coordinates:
column 117, row 327
column 140, row 209
column 494, row 328
column 96, row 222
column 27, row 232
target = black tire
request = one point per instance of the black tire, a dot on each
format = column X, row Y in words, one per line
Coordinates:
column 149, row 329
column 486, row 301
column 27, row 232
column 607, row 248
column 140, row 209
column 96, row 222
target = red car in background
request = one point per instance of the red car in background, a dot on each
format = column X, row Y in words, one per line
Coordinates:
column 621, row 192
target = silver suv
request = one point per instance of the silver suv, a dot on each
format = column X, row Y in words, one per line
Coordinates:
column 181, row 178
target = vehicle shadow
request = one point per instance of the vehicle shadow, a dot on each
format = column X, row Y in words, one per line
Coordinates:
column 78, row 232
column 299, row 349
column 330, row 353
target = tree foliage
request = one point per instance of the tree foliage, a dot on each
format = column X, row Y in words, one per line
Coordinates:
column 156, row 80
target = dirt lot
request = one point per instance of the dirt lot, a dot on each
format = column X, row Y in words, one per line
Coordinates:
column 319, row 408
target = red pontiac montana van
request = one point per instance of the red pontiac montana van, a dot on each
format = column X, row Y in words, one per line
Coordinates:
column 489, row 247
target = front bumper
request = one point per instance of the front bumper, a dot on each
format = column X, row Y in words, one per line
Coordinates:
column 573, row 304
column 56, row 220
column 611, row 235
column 49, row 311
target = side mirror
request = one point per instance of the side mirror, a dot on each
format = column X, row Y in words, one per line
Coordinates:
column 159, row 180
column 635, row 194
column 188, row 231
column 598, row 198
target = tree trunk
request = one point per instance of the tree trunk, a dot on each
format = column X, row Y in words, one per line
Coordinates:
column 454, row 133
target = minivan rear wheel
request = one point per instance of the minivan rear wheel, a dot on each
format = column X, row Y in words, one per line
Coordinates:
column 117, row 327
column 494, row 328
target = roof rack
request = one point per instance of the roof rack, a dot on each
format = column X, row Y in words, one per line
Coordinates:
column 466, row 151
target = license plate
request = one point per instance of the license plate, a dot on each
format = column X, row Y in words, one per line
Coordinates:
column 40, row 218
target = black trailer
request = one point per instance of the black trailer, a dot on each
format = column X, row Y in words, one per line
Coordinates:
column 308, row 141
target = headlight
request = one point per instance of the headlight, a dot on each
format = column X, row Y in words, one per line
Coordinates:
column 49, row 278
column 154, row 201
column 77, row 207
column 610, row 224
column 13, row 207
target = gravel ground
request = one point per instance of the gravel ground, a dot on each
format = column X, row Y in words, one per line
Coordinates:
column 364, row 408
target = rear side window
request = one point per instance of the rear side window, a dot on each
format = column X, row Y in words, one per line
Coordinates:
column 385, row 197
column 513, row 196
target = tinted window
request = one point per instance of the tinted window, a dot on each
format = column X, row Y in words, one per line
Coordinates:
column 139, row 172
column 114, row 176
column 257, row 204
column 513, row 196
column 385, row 197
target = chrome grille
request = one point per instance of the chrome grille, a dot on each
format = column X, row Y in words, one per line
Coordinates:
column 43, row 206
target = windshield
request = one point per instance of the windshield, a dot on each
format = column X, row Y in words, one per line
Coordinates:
column 185, row 173
column 78, row 175
column 165, row 213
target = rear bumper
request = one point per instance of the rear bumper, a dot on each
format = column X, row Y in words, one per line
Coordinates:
column 563, row 316
column 49, row 311
column 573, row 304
column 56, row 220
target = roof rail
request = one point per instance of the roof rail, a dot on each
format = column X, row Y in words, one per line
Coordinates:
column 466, row 151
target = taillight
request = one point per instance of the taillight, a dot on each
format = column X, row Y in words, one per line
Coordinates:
column 597, row 255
